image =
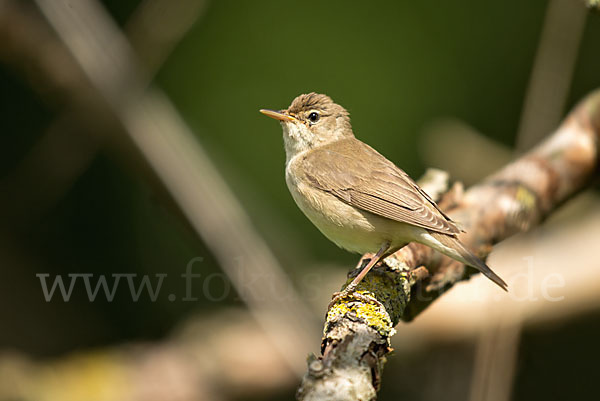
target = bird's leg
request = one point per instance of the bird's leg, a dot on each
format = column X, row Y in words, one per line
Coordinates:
column 365, row 258
column 352, row 286
column 376, row 258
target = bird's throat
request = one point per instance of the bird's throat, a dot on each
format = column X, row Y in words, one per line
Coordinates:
column 297, row 139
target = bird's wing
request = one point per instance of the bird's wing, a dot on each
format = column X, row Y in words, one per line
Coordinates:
column 358, row 175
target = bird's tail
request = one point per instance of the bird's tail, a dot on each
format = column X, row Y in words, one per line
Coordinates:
column 453, row 248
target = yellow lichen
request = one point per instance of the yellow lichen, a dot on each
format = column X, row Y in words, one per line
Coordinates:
column 373, row 314
column 379, row 302
column 525, row 198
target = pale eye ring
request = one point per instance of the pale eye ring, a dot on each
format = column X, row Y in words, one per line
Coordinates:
column 313, row 117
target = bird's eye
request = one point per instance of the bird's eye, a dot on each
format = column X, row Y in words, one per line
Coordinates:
column 313, row 117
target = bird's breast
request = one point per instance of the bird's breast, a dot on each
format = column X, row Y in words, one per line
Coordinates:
column 348, row 227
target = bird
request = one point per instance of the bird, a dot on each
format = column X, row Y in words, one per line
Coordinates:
column 355, row 196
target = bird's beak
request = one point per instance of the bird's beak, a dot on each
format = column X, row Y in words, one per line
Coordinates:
column 278, row 115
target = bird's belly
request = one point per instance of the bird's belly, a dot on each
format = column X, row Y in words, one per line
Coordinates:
column 349, row 228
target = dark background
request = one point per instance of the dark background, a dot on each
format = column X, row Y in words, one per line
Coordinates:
column 396, row 66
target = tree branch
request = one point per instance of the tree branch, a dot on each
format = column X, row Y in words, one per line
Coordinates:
column 518, row 197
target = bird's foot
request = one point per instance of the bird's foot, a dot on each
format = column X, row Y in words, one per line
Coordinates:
column 338, row 296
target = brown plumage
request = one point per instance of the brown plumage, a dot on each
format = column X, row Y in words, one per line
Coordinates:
column 386, row 191
column 359, row 199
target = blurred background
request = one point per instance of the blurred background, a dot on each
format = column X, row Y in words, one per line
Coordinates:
column 132, row 151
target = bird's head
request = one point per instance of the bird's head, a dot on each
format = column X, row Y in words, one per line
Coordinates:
column 312, row 120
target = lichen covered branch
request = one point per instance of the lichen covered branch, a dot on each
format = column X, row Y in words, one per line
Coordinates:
column 358, row 329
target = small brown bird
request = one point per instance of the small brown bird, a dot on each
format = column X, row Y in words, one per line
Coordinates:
column 355, row 196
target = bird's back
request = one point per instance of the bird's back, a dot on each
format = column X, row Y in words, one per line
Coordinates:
column 360, row 176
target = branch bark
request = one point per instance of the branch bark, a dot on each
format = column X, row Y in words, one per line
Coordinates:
column 518, row 197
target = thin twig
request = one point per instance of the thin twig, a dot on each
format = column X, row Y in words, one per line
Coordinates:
column 495, row 361
column 170, row 148
column 552, row 70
